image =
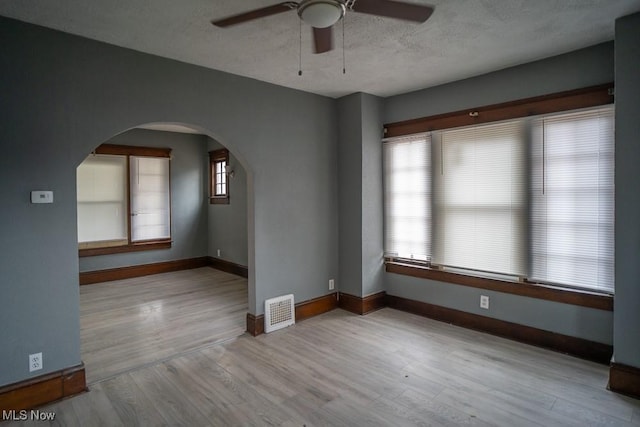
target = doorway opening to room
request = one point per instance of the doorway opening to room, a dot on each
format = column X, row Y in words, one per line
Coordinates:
column 163, row 264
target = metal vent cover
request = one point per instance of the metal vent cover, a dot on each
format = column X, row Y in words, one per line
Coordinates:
column 279, row 313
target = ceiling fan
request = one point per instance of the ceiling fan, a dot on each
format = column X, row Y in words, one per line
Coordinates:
column 323, row 14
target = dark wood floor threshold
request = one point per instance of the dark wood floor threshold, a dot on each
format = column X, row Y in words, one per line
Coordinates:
column 229, row 267
column 585, row 349
column 44, row 389
column 624, row 379
column 98, row 276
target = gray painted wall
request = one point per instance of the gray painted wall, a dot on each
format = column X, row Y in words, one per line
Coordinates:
column 586, row 67
column 360, row 194
column 188, row 199
column 372, row 194
column 572, row 320
column 555, row 74
column 350, row 194
column 228, row 223
column 62, row 95
column 627, row 174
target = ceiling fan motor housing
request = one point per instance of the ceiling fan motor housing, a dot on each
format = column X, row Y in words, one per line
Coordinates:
column 321, row 13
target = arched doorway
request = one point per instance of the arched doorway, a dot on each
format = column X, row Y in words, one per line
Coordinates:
column 142, row 317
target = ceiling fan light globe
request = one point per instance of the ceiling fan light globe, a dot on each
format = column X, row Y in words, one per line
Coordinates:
column 321, row 13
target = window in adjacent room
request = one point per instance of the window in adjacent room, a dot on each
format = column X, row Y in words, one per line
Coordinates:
column 102, row 201
column 150, row 201
column 123, row 200
column 219, row 186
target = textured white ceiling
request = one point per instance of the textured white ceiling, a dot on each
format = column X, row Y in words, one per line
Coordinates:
column 384, row 57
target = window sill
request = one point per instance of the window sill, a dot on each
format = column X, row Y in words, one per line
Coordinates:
column 532, row 290
column 219, row 200
column 133, row 247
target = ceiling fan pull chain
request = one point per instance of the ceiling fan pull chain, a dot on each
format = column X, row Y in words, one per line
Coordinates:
column 344, row 67
column 300, row 50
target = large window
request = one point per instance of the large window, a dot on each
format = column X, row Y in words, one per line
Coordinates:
column 572, row 199
column 407, row 194
column 529, row 198
column 123, row 199
column 480, row 198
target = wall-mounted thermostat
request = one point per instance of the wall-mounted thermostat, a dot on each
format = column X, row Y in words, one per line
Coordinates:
column 42, row 197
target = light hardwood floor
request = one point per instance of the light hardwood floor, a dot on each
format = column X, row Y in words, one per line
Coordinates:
column 387, row 368
column 130, row 323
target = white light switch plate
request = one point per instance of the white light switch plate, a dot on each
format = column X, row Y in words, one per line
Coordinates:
column 42, row 197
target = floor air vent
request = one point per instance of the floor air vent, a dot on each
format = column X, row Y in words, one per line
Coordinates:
column 279, row 313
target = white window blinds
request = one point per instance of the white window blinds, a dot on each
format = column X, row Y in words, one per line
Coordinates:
column 407, row 197
column 572, row 196
column 102, row 199
column 531, row 197
column 480, row 198
column 150, row 202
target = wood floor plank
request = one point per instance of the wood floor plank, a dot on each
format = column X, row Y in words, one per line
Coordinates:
column 551, row 380
column 429, row 409
column 588, row 415
column 323, row 371
column 209, row 395
column 175, row 407
column 91, row 407
column 484, row 409
column 403, row 415
column 130, row 403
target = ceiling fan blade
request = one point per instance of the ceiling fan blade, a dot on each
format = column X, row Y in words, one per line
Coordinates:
column 322, row 39
column 394, row 9
column 255, row 14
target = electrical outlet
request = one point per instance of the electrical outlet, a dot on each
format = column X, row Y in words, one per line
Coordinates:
column 332, row 284
column 218, row 252
column 35, row 362
column 484, row 302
